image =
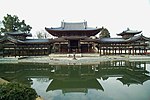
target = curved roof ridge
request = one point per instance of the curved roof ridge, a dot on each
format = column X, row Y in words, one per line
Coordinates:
column 135, row 38
column 128, row 31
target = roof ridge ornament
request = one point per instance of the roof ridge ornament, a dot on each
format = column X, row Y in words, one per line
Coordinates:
column 63, row 24
column 128, row 29
column 85, row 24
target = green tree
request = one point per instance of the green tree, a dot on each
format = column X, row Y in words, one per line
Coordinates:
column 13, row 24
column 16, row 91
column 104, row 33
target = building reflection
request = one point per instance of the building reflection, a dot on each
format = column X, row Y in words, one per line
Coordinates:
column 76, row 78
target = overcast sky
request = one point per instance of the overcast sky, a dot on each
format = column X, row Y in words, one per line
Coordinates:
column 115, row 15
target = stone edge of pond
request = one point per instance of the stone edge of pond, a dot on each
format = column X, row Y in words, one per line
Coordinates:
column 69, row 60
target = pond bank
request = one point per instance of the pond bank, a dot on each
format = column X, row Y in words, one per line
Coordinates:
column 70, row 59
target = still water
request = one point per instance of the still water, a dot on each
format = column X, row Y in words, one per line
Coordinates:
column 117, row 80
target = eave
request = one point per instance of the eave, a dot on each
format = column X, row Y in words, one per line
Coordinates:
column 83, row 32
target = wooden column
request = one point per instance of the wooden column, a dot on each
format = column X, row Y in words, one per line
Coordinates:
column 68, row 46
column 28, row 52
column 8, row 51
column 129, row 49
column 100, row 50
column 54, row 47
column 106, row 49
column 125, row 49
column 133, row 49
column 34, row 53
column 79, row 46
column 3, row 49
column 23, row 51
column 59, row 47
column 144, row 50
column 88, row 47
column 103, row 51
column 113, row 49
column 139, row 50
column 44, row 49
column 119, row 48
column 39, row 49
column 15, row 50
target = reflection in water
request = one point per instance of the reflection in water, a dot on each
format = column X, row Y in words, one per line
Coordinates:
column 76, row 78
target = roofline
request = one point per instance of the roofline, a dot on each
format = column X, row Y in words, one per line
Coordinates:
column 57, row 33
column 124, row 32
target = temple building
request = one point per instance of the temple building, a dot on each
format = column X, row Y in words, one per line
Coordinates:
column 16, row 44
column 73, row 38
column 129, row 43
column 77, row 37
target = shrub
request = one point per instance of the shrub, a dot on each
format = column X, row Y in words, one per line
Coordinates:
column 16, row 91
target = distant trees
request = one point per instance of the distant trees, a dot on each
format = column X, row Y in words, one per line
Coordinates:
column 42, row 34
column 104, row 33
column 13, row 24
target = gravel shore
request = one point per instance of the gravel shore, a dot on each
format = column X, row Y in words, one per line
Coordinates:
column 70, row 59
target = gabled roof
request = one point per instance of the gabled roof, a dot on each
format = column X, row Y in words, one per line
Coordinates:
column 121, row 40
column 27, row 41
column 9, row 38
column 37, row 41
column 139, row 37
column 128, row 31
column 75, row 29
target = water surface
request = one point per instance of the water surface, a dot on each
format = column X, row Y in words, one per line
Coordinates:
column 117, row 80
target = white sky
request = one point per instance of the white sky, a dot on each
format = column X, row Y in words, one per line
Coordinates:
column 115, row 15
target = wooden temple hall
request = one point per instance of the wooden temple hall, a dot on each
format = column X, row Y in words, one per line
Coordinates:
column 73, row 37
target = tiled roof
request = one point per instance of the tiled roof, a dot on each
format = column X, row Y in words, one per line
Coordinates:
column 73, row 26
column 28, row 41
column 128, row 31
column 112, row 40
column 121, row 40
column 73, row 29
column 37, row 41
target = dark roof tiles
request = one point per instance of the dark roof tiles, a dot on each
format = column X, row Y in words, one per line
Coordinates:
column 128, row 31
column 121, row 40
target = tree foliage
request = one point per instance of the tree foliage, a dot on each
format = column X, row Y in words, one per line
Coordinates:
column 13, row 24
column 16, row 91
column 104, row 33
column 42, row 34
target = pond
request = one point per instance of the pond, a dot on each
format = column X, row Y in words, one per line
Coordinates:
column 111, row 80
